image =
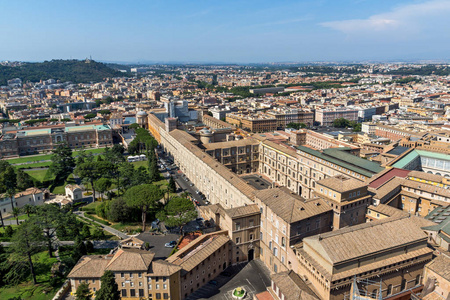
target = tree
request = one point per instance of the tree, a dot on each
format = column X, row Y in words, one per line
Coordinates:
column 109, row 289
column 177, row 212
column 172, row 188
column 8, row 183
column 16, row 213
column 24, row 180
column 49, row 218
column 85, row 231
column 119, row 211
column 79, row 249
column 153, row 172
column 89, row 171
column 145, row 197
column 62, row 162
column 102, row 185
column 26, row 241
column 341, row 123
column 29, row 209
column 83, row 292
column 90, row 116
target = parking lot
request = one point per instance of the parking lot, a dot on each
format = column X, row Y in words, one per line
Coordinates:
column 157, row 243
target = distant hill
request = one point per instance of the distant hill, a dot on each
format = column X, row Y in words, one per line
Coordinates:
column 76, row 71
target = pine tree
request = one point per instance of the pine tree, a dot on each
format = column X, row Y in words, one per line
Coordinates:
column 109, row 289
column 83, row 292
column 153, row 167
column 172, row 186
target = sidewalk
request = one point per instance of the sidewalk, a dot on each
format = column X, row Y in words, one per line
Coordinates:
column 105, row 227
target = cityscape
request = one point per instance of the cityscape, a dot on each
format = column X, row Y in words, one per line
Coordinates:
column 230, row 174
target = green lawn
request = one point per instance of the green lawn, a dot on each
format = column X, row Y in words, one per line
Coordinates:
column 60, row 189
column 40, row 175
column 37, row 158
column 142, row 163
column 91, row 206
column 27, row 290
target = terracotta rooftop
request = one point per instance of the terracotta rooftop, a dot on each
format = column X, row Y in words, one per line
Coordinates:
column 341, row 183
column 293, row 287
column 356, row 241
column 131, row 260
column 291, row 207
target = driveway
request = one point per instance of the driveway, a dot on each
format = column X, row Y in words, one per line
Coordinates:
column 157, row 243
column 253, row 277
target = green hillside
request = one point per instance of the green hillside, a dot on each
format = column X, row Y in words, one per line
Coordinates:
column 77, row 71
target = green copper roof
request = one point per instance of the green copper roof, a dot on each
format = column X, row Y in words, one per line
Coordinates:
column 417, row 153
column 342, row 158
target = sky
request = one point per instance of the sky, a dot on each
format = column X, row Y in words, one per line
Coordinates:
column 225, row 31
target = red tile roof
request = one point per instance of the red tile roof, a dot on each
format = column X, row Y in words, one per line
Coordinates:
column 386, row 176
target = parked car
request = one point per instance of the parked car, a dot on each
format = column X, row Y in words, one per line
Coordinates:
column 170, row 244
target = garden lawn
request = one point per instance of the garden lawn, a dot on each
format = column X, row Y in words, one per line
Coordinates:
column 27, row 290
column 38, row 158
column 61, row 189
column 142, row 163
column 39, row 175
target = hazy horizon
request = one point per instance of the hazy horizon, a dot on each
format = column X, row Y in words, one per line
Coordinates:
column 235, row 32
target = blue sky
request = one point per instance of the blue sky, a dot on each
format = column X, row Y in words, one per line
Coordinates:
column 244, row 31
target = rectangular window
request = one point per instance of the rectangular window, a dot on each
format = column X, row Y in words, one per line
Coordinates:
column 149, row 286
column 157, row 286
column 158, row 295
column 124, row 292
column 141, row 292
column 132, row 293
column 165, row 286
column 166, row 296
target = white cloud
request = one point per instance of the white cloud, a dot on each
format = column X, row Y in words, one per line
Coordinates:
column 410, row 18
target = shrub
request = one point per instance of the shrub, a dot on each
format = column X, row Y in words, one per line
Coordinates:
column 9, row 231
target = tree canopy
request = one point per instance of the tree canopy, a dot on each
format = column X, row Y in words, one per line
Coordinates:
column 177, row 212
column 145, row 197
column 109, row 289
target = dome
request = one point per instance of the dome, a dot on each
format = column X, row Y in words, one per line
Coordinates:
column 141, row 114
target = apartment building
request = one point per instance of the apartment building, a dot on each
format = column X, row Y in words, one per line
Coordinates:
column 253, row 123
column 325, row 117
column 332, row 260
column 286, row 116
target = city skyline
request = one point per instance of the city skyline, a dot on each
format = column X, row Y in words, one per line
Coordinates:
column 236, row 32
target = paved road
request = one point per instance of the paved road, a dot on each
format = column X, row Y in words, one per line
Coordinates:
column 105, row 227
column 252, row 276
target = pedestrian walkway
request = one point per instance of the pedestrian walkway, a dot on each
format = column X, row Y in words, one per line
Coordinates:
column 105, row 227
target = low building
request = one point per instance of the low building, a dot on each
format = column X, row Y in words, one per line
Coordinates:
column 201, row 261
column 74, row 192
column 32, row 196
column 136, row 272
